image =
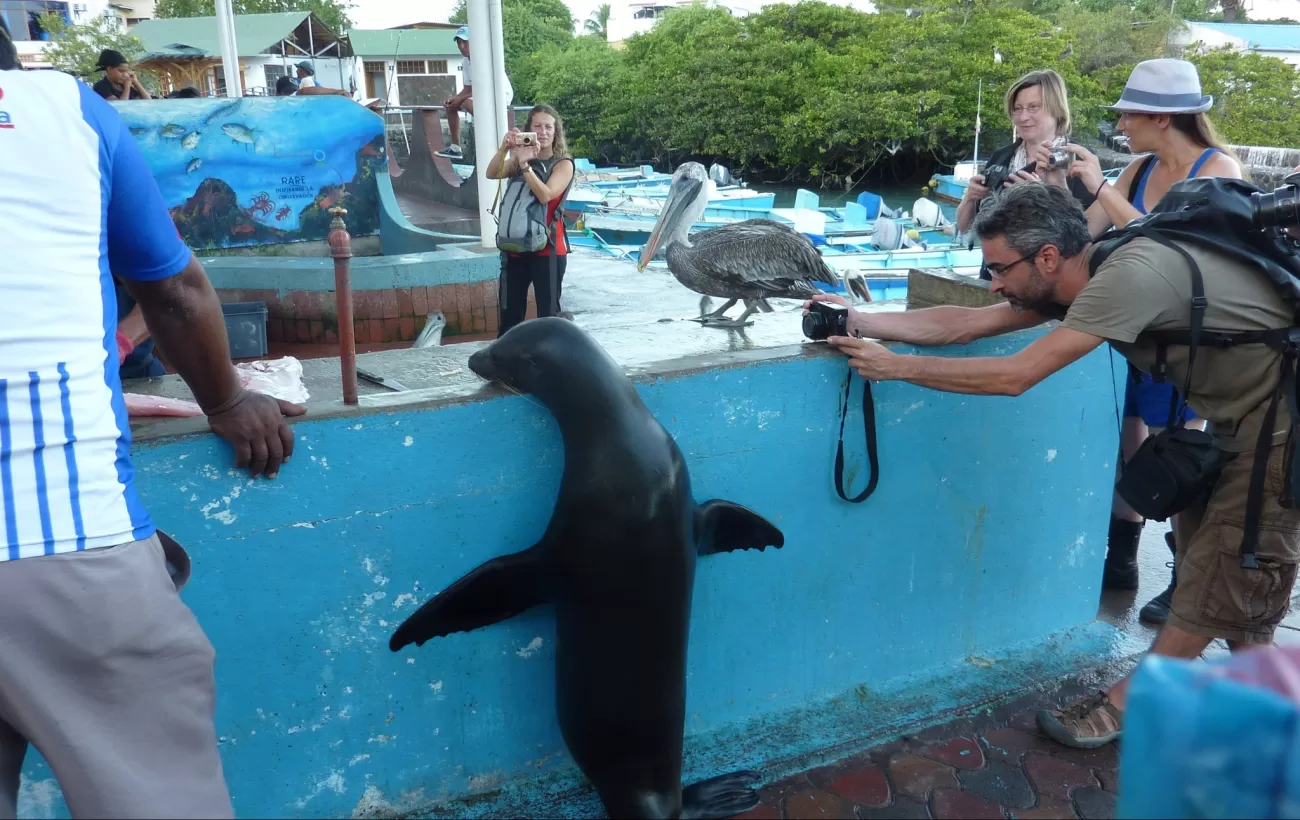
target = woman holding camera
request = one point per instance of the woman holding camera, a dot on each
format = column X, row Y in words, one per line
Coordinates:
column 541, row 155
column 1039, row 109
column 1162, row 112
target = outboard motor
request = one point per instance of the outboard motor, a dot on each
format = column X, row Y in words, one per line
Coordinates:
column 721, row 175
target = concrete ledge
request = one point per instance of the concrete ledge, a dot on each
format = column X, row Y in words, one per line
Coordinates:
column 392, row 295
column 932, row 287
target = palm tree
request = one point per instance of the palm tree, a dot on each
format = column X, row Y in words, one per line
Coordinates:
column 598, row 22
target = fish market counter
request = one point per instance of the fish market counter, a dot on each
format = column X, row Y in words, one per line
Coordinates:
column 973, row 571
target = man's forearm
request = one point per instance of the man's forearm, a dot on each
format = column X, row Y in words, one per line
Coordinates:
column 944, row 325
column 984, row 376
column 133, row 326
column 184, row 317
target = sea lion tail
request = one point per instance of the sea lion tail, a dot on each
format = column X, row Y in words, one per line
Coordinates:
column 493, row 592
column 722, row 526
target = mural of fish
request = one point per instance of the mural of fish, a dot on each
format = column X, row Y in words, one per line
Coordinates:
column 262, row 170
column 238, row 132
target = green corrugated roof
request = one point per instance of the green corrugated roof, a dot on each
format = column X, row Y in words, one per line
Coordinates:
column 254, row 33
column 402, row 42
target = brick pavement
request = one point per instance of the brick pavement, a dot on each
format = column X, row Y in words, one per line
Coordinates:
column 995, row 765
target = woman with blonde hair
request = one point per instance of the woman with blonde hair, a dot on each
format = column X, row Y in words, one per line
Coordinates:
column 548, row 170
column 1039, row 109
column 1163, row 113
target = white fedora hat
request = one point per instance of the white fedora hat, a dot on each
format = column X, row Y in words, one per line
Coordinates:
column 1163, row 86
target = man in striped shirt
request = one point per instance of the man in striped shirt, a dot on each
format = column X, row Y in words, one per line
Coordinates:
column 102, row 667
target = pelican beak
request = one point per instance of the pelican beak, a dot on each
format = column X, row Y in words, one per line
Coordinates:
column 680, row 196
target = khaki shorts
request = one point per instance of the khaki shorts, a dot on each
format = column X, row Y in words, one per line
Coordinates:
column 1216, row 597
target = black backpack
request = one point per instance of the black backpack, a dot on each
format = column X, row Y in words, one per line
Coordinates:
column 1218, row 214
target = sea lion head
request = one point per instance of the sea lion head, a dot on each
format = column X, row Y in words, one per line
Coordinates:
column 548, row 357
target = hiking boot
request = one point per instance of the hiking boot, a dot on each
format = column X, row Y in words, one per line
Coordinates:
column 1156, row 610
column 1121, row 569
column 1087, row 724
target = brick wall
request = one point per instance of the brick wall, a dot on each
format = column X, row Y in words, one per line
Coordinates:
column 392, row 315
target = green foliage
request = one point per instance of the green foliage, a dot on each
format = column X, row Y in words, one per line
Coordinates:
column 1254, row 96
column 528, row 27
column 827, row 92
column 74, row 48
column 598, row 22
column 333, row 13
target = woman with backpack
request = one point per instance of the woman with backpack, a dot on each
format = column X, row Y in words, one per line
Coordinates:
column 540, row 162
column 1162, row 112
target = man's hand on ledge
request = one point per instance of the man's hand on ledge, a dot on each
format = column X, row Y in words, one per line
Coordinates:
column 254, row 425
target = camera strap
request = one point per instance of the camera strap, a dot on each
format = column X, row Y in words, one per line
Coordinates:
column 869, row 431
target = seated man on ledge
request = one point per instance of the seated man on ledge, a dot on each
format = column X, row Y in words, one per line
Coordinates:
column 1037, row 248
column 464, row 99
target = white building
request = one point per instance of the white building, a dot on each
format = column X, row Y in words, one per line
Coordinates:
column 23, row 19
column 1269, row 39
column 407, row 66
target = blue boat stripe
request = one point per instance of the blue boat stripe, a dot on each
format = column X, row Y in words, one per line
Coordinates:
column 38, row 463
column 70, row 455
column 6, row 473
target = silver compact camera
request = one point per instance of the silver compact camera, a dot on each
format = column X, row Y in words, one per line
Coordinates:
column 1060, row 160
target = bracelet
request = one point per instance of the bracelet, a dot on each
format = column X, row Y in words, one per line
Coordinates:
column 1097, row 195
column 229, row 404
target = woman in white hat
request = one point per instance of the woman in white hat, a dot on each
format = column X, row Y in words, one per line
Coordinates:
column 1163, row 113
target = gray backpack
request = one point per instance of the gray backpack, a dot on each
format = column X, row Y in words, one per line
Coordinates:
column 521, row 222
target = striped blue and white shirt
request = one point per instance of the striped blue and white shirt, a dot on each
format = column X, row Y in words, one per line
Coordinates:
column 77, row 205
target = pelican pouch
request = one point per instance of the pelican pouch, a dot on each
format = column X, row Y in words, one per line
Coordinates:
column 1178, row 466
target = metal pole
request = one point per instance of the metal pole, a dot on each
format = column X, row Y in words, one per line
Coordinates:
column 486, row 135
column 502, row 109
column 341, row 249
column 229, row 48
column 979, row 104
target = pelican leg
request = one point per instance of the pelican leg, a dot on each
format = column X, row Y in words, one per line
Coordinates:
column 706, row 317
column 751, row 305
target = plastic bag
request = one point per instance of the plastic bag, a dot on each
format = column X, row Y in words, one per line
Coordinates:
column 280, row 378
column 1218, row 739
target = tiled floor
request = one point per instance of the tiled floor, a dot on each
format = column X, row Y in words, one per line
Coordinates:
column 995, row 767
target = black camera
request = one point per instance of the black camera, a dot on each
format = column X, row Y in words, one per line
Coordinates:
column 824, row 320
column 1279, row 209
column 995, row 176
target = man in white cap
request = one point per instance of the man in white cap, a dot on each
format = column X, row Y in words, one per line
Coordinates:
column 464, row 99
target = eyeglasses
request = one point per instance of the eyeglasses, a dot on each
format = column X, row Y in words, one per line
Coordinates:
column 988, row 271
column 1031, row 110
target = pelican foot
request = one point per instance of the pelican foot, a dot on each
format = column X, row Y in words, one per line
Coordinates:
column 724, row 322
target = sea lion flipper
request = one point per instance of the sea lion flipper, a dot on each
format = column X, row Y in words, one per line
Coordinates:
column 724, row 796
column 723, row 526
column 493, row 592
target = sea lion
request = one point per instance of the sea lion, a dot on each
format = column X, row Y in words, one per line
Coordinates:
column 617, row 561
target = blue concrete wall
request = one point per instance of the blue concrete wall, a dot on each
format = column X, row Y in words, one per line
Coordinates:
column 973, row 569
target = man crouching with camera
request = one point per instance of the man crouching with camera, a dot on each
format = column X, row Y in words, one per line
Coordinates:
column 1037, row 249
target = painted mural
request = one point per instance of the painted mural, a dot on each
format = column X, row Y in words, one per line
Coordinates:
column 261, row 170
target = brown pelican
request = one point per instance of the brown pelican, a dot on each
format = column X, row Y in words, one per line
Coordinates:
column 750, row 260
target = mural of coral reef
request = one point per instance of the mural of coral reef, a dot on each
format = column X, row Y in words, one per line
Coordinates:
column 261, row 170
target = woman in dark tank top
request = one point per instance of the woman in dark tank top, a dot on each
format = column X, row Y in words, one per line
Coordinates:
column 1163, row 113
